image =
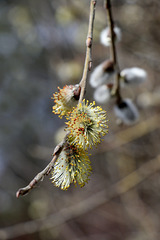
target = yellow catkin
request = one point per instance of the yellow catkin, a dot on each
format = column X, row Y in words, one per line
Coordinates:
column 72, row 166
column 87, row 124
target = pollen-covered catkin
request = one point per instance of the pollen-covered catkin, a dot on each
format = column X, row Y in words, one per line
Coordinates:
column 65, row 99
column 87, row 124
column 72, row 166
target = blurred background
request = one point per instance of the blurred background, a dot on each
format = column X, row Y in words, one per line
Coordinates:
column 42, row 46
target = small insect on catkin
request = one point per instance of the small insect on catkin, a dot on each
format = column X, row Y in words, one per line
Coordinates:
column 65, row 99
column 133, row 75
column 87, row 124
column 126, row 111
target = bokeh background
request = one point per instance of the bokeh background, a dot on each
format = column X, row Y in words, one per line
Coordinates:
column 42, row 46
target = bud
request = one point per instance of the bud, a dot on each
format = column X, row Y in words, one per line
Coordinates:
column 133, row 75
column 126, row 111
column 105, row 36
column 65, row 99
column 102, row 94
column 72, row 166
column 102, row 73
column 87, row 124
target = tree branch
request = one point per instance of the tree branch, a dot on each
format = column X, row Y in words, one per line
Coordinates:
column 40, row 176
column 97, row 199
column 88, row 59
column 59, row 147
column 116, row 87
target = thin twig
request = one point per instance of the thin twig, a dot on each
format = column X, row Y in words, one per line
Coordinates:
column 116, row 87
column 40, row 176
column 97, row 199
column 59, row 147
column 88, row 59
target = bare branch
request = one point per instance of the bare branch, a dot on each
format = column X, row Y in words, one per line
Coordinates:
column 88, row 59
column 116, row 88
column 40, row 176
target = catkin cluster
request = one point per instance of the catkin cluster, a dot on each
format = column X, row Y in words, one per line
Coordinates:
column 86, row 125
column 103, row 77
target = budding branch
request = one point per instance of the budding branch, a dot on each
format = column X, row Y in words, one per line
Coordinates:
column 44, row 172
column 88, row 59
column 116, row 88
column 87, row 66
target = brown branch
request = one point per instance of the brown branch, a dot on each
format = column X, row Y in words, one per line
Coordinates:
column 121, row 138
column 116, row 87
column 88, row 58
column 97, row 199
column 40, row 176
column 82, row 84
